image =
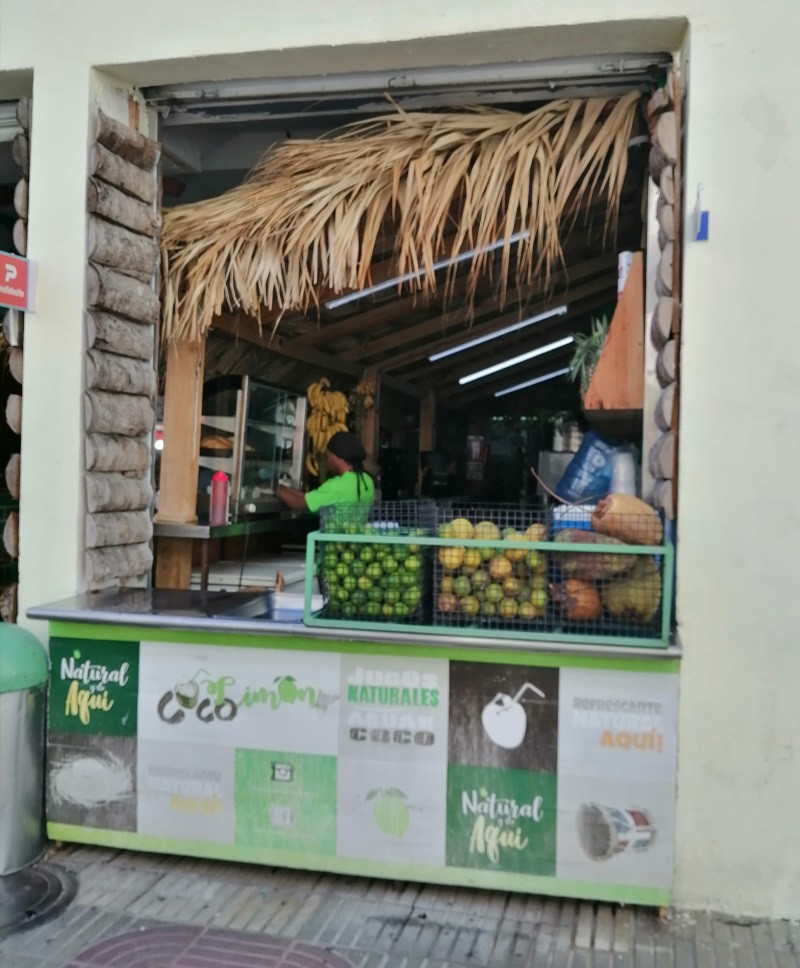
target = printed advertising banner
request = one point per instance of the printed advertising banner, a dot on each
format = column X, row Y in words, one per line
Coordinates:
column 518, row 775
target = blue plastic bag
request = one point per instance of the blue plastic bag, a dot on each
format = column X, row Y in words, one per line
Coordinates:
column 588, row 474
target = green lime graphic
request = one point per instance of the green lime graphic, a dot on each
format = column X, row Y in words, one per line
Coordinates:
column 390, row 811
column 287, row 688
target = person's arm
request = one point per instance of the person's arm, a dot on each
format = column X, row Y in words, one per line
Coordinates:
column 292, row 497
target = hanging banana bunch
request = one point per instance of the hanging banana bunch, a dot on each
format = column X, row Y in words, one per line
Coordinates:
column 364, row 393
column 327, row 414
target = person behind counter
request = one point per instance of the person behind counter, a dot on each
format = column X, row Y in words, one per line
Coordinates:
column 349, row 483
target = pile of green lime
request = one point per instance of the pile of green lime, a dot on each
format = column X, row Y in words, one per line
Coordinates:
column 497, row 583
column 378, row 580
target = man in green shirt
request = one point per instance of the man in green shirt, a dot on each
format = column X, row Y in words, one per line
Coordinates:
column 349, row 483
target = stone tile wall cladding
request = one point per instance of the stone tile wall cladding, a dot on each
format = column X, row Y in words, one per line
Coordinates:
column 122, row 313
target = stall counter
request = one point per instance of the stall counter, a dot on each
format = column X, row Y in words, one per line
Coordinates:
column 217, row 725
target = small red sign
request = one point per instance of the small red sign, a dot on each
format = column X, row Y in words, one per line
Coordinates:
column 14, row 281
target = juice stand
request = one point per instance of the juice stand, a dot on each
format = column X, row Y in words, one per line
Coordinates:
column 483, row 696
column 529, row 749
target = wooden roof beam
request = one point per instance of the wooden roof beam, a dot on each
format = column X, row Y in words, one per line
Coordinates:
column 245, row 328
column 377, row 316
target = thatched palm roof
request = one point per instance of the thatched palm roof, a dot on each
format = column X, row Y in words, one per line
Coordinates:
column 309, row 216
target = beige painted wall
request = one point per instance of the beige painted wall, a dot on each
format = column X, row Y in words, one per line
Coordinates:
column 739, row 610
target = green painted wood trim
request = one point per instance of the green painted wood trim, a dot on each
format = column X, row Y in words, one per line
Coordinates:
column 459, row 876
column 313, row 621
column 131, row 633
column 557, row 546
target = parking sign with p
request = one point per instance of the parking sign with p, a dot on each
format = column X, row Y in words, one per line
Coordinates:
column 14, row 281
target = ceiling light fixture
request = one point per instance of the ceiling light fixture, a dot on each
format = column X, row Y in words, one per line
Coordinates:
column 532, row 383
column 408, row 276
column 522, row 358
column 560, row 311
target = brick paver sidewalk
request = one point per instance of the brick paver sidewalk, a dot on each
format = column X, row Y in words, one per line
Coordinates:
column 164, row 911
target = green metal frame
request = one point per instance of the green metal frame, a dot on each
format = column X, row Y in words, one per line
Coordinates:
column 665, row 551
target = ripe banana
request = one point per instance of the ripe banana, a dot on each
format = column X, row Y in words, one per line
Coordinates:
column 327, row 415
column 364, row 392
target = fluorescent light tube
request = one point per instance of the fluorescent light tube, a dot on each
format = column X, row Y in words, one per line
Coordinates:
column 532, row 383
column 408, row 276
column 500, row 332
column 522, row 358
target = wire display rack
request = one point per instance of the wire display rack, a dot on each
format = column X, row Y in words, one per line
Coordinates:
column 502, row 571
column 494, row 574
column 552, row 571
column 370, row 565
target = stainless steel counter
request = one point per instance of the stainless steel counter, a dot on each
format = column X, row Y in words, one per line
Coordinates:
column 234, row 529
column 277, row 613
column 285, row 521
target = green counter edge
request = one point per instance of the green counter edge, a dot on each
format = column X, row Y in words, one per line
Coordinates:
column 133, row 633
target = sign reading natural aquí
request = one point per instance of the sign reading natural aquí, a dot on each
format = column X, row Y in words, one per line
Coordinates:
column 501, row 819
column 94, row 686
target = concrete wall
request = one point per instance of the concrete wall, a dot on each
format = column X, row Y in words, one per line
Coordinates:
column 739, row 611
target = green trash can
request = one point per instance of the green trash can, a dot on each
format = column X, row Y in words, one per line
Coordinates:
column 23, row 690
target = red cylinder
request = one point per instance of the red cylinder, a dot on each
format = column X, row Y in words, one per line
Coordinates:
column 218, row 513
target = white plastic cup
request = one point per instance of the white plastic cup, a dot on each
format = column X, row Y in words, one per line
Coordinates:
column 623, row 473
column 624, row 263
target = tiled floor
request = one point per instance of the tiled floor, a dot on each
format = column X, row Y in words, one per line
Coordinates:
column 219, row 914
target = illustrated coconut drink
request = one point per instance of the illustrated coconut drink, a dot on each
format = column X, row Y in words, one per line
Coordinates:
column 187, row 693
column 505, row 720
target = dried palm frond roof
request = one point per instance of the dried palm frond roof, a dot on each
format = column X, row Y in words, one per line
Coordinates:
column 309, row 215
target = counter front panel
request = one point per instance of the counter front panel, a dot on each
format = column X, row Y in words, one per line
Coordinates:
column 538, row 772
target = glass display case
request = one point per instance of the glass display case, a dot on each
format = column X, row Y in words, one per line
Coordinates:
column 255, row 433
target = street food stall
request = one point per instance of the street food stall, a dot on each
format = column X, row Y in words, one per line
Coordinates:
column 387, row 726
column 471, row 693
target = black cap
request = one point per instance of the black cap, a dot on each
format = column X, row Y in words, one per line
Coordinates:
column 347, row 447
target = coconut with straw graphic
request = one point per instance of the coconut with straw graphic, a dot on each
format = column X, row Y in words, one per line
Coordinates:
column 504, row 719
column 187, row 693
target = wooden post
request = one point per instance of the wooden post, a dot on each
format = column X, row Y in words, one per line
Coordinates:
column 370, row 421
column 427, row 431
column 183, row 396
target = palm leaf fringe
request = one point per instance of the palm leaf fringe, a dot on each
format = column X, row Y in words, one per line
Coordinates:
column 309, row 216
